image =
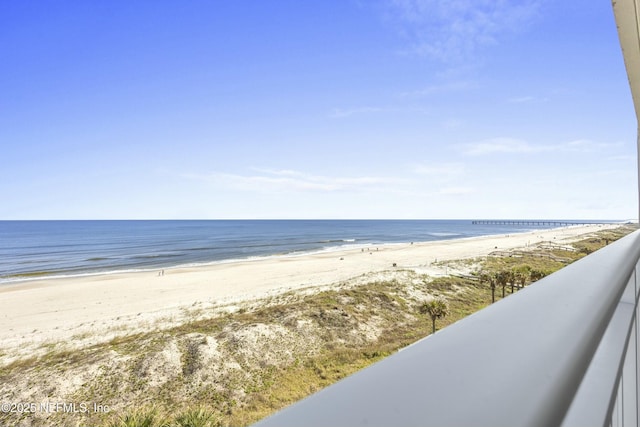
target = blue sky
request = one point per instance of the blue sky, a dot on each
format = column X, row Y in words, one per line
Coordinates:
column 314, row 109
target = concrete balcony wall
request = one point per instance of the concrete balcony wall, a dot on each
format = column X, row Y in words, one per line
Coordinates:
column 562, row 352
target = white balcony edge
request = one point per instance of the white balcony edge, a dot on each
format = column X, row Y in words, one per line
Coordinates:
column 523, row 361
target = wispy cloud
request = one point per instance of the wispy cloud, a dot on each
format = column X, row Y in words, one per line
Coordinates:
column 622, row 158
column 586, row 145
column 455, row 191
column 526, row 100
column 454, row 86
column 499, row 145
column 452, row 30
column 513, row 145
column 340, row 113
column 269, row 180
column 443, row 171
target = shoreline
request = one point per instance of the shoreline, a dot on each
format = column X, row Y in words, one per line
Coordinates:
column 87, row 309
column 349, row 245
column 41, row 280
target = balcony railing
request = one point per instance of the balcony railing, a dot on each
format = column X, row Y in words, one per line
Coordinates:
column 562, row 352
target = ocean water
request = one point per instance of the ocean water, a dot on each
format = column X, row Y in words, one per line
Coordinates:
column 30, row 249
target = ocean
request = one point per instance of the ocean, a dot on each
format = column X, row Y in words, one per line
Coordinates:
column 38, row 249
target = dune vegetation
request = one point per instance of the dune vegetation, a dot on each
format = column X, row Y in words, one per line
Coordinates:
column 237, row 367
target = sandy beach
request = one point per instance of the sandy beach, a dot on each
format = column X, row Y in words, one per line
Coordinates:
column 93, row 308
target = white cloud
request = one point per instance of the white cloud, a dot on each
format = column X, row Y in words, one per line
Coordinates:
column 339, row 113
column 452, row 30
column 526, row 100
column 453, row 86
column 623, row 158
column 499, row 145
column 442, row 170
column 513, row 145
column 586, row 145
column 278, row 172
column 268, row 180
column 455, row 191
column 521, row 100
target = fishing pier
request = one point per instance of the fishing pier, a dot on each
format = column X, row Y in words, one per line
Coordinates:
column 531, row 222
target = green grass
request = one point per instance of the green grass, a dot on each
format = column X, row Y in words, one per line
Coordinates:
column 196, row 417
column 140, row 418
column 151, row 416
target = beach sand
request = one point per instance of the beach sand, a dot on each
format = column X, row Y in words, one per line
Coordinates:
column 89, row 309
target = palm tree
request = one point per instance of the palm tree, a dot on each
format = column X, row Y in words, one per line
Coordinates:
column 536, row 275
column 436, row 308
column 520, row 276
column 515, row 278
column 524, row 276
column 502, row 279
column 491, row 280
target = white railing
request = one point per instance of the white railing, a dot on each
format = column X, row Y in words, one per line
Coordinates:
column 562, row 352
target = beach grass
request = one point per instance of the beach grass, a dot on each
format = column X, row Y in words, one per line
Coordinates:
column 236, row 368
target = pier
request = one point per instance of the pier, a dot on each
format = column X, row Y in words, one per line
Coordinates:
column 530, row 222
